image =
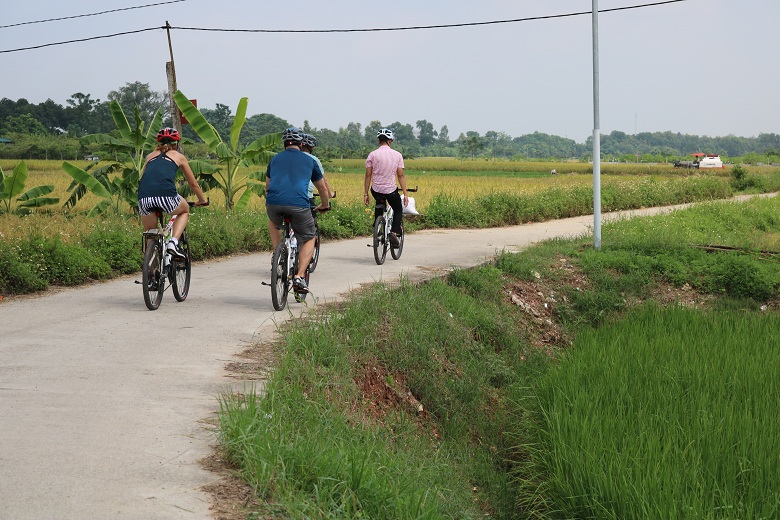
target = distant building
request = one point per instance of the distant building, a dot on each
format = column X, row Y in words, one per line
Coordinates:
column 2, row 140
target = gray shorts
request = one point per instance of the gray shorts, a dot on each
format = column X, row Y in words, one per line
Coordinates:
column 301, row 219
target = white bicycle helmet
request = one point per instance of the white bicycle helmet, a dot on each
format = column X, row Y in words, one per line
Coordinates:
column 386, row 132
column 292, row 134
column 309, row 140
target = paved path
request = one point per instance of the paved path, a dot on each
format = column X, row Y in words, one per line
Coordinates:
column 104, row 404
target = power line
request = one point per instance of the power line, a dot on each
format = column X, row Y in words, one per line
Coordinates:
column 419, row 27
column 90, row 14
column 83, row 39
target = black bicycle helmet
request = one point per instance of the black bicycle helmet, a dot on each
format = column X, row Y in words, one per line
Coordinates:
column 309, row 140
column 292, row 134
column 385, row 132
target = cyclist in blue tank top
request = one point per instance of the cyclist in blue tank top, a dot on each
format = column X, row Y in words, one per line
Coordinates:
column 157, row 188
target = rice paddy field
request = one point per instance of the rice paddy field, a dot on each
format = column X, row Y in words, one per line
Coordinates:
column 438, row 179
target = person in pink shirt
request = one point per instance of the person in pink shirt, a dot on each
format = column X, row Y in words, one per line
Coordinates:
column 383, row 166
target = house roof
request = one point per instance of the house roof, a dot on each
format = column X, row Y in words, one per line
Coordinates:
column 5, row 140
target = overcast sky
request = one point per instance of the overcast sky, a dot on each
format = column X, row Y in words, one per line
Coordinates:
column 704, row 67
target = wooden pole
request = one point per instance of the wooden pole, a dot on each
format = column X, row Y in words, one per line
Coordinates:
column 170, row 71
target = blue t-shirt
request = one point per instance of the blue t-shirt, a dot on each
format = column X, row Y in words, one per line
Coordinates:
column 289, row 173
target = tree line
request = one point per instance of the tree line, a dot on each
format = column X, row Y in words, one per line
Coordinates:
column 51, row 131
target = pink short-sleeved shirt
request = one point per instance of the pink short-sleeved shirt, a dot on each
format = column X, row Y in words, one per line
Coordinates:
column 384, row 163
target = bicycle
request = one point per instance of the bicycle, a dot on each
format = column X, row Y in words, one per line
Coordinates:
column 316, row 256
column 382, row 225
column 159, row 265
column 284, row 265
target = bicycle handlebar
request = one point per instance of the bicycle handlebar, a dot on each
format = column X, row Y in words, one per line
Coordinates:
column 412, row 189
column 193, row 203
column 332, row 195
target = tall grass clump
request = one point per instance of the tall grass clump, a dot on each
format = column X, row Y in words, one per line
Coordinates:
column 669, row 413
column 719, row 249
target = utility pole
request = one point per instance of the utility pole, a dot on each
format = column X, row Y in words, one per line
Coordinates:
column 170, row 71
column 596, row 133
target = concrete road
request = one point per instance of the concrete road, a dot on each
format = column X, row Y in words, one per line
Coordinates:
column 104, row 405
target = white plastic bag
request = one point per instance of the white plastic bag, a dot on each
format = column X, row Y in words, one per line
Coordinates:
column 410, row 209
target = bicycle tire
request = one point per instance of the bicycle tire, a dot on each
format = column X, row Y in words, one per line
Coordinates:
column 395, row 252
column 181, row 271
column 152, row 279
column 280, row 282
column 315, row 257
column 380, row 244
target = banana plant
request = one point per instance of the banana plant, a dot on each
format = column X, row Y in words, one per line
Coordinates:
column 14, row 199
column 116, row 183
column 231, row 156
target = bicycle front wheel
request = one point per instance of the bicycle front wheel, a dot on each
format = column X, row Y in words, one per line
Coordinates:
column 181, row 271
column 152, row 279
column 316, row 256
column 380, row 244
column 280, row 282
column 396, row 251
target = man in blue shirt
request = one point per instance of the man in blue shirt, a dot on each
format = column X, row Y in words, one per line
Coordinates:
column 286, row 183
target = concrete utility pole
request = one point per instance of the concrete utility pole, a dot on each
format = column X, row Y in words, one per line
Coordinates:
column 170, row 71
column 596, row 133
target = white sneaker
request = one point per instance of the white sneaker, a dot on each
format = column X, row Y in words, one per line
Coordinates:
column 174, row 250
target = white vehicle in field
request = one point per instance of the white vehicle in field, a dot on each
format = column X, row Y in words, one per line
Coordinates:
column 701, row 160
column 710, row 160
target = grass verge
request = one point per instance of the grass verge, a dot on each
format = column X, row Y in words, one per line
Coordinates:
column 559, row 382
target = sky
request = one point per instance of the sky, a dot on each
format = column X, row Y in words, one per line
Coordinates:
column 700, row 67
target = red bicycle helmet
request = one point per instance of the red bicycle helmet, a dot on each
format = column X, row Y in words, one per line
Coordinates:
column 168, row 134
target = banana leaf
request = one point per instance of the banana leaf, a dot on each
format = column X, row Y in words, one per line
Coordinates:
column 86, row 179
column 99, row 208
column 223, row 152
column 151, row 134
column 39, row 202
column 198, row 123
column 120, row 120
column 14, row 183
column 36, row 192
column 238, row 124
column 202, row 167
column 243, row 200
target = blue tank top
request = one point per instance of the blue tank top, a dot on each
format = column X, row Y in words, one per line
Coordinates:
column 159, row 179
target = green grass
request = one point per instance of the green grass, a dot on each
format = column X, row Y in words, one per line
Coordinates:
column 432, row 401
column 668, row 413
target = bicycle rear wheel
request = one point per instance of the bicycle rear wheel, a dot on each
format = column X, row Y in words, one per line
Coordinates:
column 395, row 252
column 152, row 279
column 316, row 256
column 280, row 282
column 181, row 271
column 380, row 244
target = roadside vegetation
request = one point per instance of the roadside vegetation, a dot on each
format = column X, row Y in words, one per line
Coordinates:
column 70, row 244
column 559, row 382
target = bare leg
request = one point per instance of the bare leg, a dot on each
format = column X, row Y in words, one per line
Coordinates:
column 304, row 256
column 276, row 235
column 183, row 212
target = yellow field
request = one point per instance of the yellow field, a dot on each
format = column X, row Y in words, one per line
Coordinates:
column 347, row 177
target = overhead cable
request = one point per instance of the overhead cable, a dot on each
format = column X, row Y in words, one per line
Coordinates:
column 469, row 24
column 90, row 14
column 418, row 27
